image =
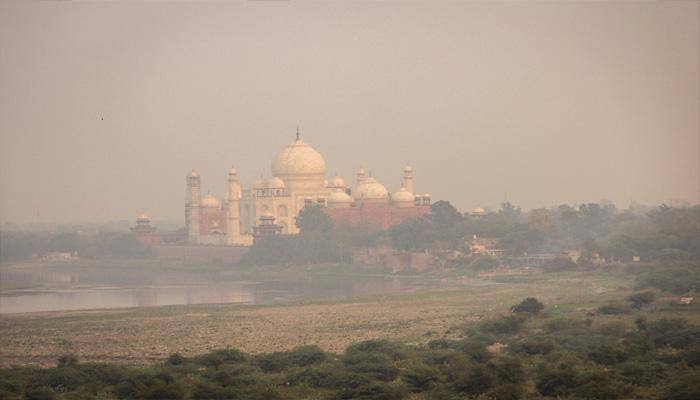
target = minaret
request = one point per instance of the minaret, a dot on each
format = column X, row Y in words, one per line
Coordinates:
column 408, row 178
column 233, row 223
column 193, row 207
column 360, row 175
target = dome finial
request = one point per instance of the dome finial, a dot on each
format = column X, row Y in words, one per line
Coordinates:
column 297, row 132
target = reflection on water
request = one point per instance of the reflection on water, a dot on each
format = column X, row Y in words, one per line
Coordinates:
column 75, row 289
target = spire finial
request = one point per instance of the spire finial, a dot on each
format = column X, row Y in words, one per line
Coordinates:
column 297, row 132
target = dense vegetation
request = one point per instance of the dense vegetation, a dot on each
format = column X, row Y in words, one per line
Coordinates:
column 614, row 352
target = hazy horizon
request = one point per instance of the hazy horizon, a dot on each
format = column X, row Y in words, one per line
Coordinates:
column 107, row 106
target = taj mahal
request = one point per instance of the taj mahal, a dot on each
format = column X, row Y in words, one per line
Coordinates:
column 298, row 180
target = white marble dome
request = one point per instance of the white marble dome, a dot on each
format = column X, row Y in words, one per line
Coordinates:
column 274, row 183
column 143, row 218
column 298, row 159
column 336, row 182
column 210, row 201
column 402, row 196
column 371, row 189
column 338, row 198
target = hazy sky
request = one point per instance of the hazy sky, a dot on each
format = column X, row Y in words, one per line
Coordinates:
column 105, row 107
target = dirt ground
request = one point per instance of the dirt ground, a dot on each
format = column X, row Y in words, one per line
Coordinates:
column 146, row 335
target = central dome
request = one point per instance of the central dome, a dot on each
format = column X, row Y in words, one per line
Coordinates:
column 298, row 159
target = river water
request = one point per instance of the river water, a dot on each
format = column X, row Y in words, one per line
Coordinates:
column 58, row 288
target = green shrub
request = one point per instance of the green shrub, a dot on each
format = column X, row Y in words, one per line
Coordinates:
column 473, row 380
column 641, row 299
column 505, row 392
column 394, row 350
column 40, row 394
column 567, row 324
column 528, row 306
column 613, row 309
column 68, row 360
column 608, row 354
column 421, row 377
column 642, row 372
column 504, row 326
column 376, row 365
column 556, row 382
column 374, row 391
column 176, row 359
column 532, row 346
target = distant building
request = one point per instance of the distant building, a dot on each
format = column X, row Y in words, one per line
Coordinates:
column 486, row 246
column 145, row 233
column 477, row 213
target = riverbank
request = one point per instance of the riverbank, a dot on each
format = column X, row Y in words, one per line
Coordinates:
column 146, row 335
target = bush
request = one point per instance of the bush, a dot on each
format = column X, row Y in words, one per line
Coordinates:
column 528, row 306
column 505, row 392
column 613, row 309
column 532, row 346
column 474, row 380
column 376, row 390
column 505, row 325
column 608, row 354
column 394, row 350
column 299, row 357
column 556, row 382
column 176, row 359
column 376, row 365
column 641, row 299
column 421, row 377
column 328, row 375
column 67, row 360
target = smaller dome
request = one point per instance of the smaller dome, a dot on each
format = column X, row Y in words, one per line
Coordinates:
column 194, row 174
column 274, row 183
column 339, row 196
column 143, row 218
column 408, row 168
column 336, row 183
column 402, row 196
column 210, row 201
column 371, row 189
column 478, row 211
column 232, row 171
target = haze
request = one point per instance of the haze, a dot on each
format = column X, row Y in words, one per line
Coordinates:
column 106, row 107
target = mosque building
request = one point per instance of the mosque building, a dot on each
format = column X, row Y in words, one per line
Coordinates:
column 298, row 180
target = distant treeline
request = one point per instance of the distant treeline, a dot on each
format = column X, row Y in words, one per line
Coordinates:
column 617, row 235
column 616, row 352
column 662, row 234
column 16, row 246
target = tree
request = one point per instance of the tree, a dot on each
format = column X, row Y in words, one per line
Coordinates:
column 312, row 220
column 528, row 306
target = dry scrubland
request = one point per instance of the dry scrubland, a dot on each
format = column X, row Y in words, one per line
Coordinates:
column 142, row 336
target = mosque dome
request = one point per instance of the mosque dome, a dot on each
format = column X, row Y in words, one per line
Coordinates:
column 478, row 211
column 143, row 218
column 194, row 174
column 274, row 183
column 371, row 189
column 232, row 171
column 402, row 196
column 298, row 158
column 210, row 201
column 336, row 183
column 339, row 196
